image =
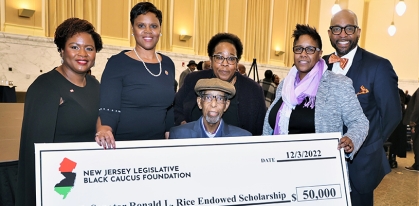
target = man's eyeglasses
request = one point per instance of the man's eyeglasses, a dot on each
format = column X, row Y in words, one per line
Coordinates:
column 208, row 98
column 349, row 29
column 309, row 49
column 220, row 59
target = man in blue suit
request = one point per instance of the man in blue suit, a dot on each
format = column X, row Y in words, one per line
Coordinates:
column 375, row 83
column 213, row 99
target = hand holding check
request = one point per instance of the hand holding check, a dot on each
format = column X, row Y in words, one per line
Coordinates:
column 346, row 143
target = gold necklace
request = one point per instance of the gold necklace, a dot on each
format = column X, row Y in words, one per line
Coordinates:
column 156, row 75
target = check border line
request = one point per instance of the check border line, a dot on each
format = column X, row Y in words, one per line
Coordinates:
column 304, row 159
column 189, row 145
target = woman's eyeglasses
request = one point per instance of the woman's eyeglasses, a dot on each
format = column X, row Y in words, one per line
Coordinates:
column 309, row 49
column 220, row 59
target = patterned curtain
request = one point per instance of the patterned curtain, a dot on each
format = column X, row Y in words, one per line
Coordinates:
column 211, row 18
column 297, row 11
column 60, row 10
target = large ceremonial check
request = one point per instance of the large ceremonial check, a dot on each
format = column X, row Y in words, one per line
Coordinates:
column 305, row 169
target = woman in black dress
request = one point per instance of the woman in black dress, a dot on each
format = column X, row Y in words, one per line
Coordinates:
column 137, row 86
column 61, row 105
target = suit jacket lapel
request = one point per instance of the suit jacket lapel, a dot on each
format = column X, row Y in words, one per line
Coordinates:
column 224, row 130
column 326, row 58
column 197, row 127
column 356, row 63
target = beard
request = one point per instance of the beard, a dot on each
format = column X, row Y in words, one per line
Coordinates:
column 342, row 52
column 212, row 120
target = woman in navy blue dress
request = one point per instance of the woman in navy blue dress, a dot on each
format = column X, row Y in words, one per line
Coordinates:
column 137, row 86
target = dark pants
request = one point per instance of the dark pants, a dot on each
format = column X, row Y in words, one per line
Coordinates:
column 362, row 199
column 415, row 138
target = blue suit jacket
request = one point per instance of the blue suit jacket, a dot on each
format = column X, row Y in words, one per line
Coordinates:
column 381, row 105
column 194, row 130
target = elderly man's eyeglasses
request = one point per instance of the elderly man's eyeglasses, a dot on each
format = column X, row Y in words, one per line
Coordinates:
column 309, row 49
column 209, row 97
column 349, row 29
column 220, row 59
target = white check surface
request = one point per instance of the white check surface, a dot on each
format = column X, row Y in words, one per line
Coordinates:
column 270, row 170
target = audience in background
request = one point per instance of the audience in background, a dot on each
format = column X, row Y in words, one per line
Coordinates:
column 398, row 138
column 190, row 68
column 61, row 105
column 200, row 65
column 407, row 96
column 137, row 86
column 203, row 65
column 247, row 107
column 275, row 79
column 176, row 85
column 375, row 84
column 242, row 69
column 412, row 119
column 269, row 88
column 213, row 99
column 207, row 65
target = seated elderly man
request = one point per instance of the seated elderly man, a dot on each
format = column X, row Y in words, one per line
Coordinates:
column 213, row 99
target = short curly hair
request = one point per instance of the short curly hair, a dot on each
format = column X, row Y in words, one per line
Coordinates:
column 144, row 8
column 225, row 37
column 73, row 26
column 301, row 29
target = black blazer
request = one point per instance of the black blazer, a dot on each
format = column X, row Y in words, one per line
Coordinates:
column 381, row 105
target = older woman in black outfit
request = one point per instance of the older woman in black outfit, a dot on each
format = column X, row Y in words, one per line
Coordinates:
column 247, row 108
column 61, row 105
column 137, row 86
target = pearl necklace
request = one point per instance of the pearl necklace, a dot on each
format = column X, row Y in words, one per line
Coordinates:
column 156, row 75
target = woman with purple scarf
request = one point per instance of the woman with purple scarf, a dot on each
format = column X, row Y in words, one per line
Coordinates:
column 312, row 99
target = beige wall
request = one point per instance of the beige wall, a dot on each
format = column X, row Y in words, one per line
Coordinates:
column 374, row 17
column 402, row 48
column 237, row 18
column 12, row 23
column 184, row 24
column 279, row 24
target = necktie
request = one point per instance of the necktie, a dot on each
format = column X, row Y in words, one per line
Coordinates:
column 343, row 61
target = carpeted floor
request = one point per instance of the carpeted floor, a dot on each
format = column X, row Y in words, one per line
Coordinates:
column 400, row 187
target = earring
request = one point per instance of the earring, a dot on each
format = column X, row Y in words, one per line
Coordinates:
column 132, row 34
column 161, row 34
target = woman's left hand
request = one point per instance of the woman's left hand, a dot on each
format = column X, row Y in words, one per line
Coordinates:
column 346, row 143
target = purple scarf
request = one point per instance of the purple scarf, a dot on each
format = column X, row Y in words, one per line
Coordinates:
column 295, row 91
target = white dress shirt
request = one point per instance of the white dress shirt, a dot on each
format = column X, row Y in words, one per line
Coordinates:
column 350, row 56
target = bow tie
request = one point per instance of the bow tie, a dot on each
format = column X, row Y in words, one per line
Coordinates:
column 343, row 61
